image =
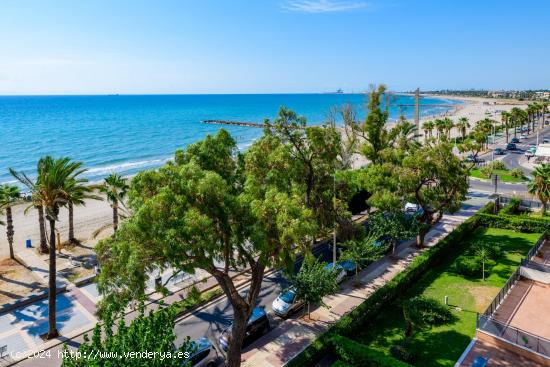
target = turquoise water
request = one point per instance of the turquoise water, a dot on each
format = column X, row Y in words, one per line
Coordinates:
column 129, row 133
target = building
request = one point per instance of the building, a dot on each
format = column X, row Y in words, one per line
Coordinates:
column 515, row 328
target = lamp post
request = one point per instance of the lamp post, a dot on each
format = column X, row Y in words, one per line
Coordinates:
column 334, row 230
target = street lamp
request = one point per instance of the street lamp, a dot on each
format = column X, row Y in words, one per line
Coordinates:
column 334, row 230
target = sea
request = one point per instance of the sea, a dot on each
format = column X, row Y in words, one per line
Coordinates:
column 130, row 133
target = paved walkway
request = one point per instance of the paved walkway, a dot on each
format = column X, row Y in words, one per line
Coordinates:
column 292, row 336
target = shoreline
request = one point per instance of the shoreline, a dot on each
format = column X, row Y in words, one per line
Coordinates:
column 95, row 214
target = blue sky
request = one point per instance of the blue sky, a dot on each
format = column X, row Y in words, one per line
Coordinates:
column 262, row 46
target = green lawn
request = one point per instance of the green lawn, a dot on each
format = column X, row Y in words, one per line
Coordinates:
column 504, row 175
column 443, row 345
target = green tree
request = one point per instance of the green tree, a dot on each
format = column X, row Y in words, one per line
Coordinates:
column 483, row 254
column 34, row 188
column 313, row 282
column 540, row 185
column 56, row 175
column 393, row 224
column 360, row 251
column 152, row 333
column 200, row 213
column 505, row 118
column 373, row 131
column 421, row 312
column 436, row 179
column 404, row 135
column 312, row 158
column 76, row 193
column 8, row 196
column 115, row 188
column 428, row 127
column 440, row 126
column 463, row 125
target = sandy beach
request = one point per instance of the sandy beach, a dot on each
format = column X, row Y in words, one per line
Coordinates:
column 87, row 219
column 474, row 109
column 95, row 214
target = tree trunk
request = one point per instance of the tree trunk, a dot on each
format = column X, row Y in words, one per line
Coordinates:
column 9, row 230
column 409, row 330
column 543, row 208
column 52, row 330
column 507, row 135
column 115, row 217
column 420, row 238
column 42, row 225
column 71, row 224
column 483, row 270
column 238, row 331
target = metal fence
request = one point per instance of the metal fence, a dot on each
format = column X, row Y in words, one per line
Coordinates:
column 502, row 293
column 535, row 249
column 526, row 203
column 514, row 335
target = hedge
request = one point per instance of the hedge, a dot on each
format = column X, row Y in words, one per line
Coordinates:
column 359, row 355
column 356, row 320
column 512, row 207
column 526, row 225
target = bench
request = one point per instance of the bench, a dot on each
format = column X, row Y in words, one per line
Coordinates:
column 3, row 350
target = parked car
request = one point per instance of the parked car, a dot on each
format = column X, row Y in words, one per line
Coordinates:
column 382, row 241
column 349, row 266
column 258, row 325
column 340, row 271
column 286, row 303
column 523, row 136
column 471, row 158
column 499, row 151
column 545, row 141
column 411, row 207
column 204, row 355
column 511, row 146
column 514, row 140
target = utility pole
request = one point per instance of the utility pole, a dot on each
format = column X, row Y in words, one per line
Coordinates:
column 334, row 230
column 417, row 109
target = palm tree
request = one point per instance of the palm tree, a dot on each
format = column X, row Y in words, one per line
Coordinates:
column 448, row 126
column 505, row 117
column 8, row 196
column 428, row 127
column 56, row 176
column 77, row 192
column 440, row 127
column 540, row 185
column 33, row 186
column 463, row 125
column 404, row 135
column 115, row 188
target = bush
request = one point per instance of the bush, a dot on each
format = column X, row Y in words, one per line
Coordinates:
column 401, row 351
column 498, row 165
column 525, row 225
column 516, row 172
column 512, row 207
column 470, row 266
column 486, row 171
column 359, row 355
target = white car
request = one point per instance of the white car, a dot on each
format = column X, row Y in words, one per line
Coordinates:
column 523, row 136
column 411, row 208
column 340, row 271
column 286, row 303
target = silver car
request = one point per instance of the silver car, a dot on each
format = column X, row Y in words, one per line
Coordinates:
column 204, row 354
column 286, row 303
